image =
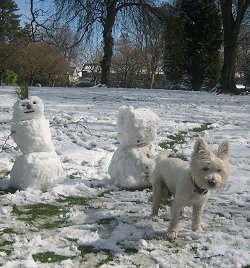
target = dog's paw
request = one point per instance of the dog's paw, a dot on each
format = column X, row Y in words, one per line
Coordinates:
column 171, row 235
column 197, row 229
column 155, row 218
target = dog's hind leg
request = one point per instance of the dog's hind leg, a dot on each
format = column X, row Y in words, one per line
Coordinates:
column 159, row 190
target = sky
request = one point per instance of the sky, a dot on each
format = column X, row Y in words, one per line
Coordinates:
column 24, row 9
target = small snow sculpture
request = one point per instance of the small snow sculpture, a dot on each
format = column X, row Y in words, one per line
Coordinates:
column 30, row 128
column 134, row 159
column 39, row 167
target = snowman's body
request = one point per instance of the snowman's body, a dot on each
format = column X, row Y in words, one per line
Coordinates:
column 38, row 171
column 39, row 167
column 32, row 135
column 134, row 159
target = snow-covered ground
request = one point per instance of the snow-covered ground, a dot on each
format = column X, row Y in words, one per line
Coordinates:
column 87, row 221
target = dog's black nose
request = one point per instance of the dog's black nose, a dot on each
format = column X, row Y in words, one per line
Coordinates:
column 211, row 183
column 28, row 106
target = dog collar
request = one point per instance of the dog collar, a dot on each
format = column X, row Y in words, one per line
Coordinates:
column 198, row 189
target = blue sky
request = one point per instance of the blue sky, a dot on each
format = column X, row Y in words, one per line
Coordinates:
column 24, row 6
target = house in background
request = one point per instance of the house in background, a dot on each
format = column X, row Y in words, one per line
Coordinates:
column 75, row 75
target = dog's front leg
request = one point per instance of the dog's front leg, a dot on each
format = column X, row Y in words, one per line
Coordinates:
column 196, row 221
column 174, row 222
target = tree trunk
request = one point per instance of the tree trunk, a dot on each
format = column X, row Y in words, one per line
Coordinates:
column 228, row 84
column 231, row 30
column 108, row 24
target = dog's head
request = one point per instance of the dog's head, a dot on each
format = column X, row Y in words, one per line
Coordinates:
column 210, row 167
column 27, row 109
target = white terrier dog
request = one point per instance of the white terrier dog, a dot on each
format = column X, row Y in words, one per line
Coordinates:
column 189, row 184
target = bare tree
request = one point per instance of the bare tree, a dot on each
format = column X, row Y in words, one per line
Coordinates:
column 87, row 15
column 40, row 62
column 232, row 17
column 127, row 63
column 149, row 37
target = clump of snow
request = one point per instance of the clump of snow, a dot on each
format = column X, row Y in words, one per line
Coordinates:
column 136, row 126
column 39, row 167
column 38, row 171
column 134, row 159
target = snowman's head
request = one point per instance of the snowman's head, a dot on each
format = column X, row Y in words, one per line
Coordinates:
column 27, row 109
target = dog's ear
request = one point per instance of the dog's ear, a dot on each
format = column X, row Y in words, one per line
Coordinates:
column 200, row 145
column 223, row 149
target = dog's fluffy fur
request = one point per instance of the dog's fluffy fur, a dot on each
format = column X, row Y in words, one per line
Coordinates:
column 190, row 184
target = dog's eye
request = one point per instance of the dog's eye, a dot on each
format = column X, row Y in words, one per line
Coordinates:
column 218, row 170
column 34, row 102
column 205, row 168
column 23, row 105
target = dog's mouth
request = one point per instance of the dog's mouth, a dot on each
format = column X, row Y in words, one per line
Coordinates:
column 29, row 112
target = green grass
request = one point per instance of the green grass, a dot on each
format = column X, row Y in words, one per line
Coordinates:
column 43, row 216
column 173, row 140
column 105, row 261
column 54, row 225
column 72, row 201
column 88, row 249
column 50, row 257
column 9, row 231
column 48, row 216
column 166, row 201
column 180, row 138
column 31, row 213
column 4, row 247
column 202, row 128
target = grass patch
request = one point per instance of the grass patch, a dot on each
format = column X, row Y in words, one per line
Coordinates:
column 173, row 140
column 102, row 194
column 180, row 138
column 5, row 243
column 9, row 231
column 202, row 127
column 74, row 201
column 4, row 247
column 166, row 201
column 54, row 225
column 49, row 257
column 105, row 261
column 87, row 249
column 30, row 214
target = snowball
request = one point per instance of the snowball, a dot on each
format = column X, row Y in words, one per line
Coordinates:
column 131, row 167
column 136, row 126
column 38, row 171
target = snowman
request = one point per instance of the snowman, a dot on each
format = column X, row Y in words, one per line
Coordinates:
column 39, row 166
column 134, row 159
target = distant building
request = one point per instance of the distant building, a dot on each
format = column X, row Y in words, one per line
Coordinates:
column 74, row 75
